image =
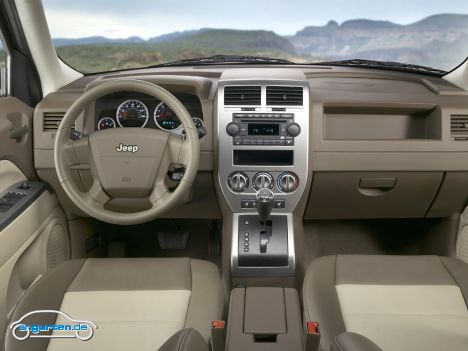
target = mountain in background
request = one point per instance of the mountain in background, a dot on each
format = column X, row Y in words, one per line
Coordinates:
column 204, row 38
column 175, row 35
column 432, row 41
column 58, row 42
column 439, row 41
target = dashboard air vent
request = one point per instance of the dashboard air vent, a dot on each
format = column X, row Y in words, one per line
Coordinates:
column 284, row 96
column 459, row 127
column 51, row 121
column 242, row 95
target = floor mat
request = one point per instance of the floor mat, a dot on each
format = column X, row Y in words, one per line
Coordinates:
column 142, row 240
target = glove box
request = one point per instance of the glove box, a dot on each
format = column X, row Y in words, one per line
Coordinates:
column 346, row 195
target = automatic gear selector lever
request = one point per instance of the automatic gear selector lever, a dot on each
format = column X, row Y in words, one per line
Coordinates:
column 264, row 204
column 262, row 238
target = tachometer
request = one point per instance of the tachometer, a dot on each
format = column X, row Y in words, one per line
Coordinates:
column 106, row 123
column 132, row 113
column 165, row 118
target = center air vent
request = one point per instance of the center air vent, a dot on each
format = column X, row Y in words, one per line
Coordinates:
column 284, row 96
column 51, row 121
column 459, row 127
column 242, row 95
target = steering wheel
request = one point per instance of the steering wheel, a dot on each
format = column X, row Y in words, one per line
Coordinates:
column 129, row 163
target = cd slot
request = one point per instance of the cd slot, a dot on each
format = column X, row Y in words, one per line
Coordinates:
column 264, row 120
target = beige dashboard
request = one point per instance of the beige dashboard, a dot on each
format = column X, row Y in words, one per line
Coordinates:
column 381, row 144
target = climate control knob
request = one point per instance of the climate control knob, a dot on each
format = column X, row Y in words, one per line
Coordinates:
column 288, row 182
column 293, row 129
column 262, row 180
column 238, row 182
column 233, row 129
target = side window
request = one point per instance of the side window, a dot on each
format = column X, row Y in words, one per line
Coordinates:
column 3, row 70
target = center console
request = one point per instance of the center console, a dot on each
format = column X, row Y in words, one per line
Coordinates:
column 264, row 319
column 263, row 131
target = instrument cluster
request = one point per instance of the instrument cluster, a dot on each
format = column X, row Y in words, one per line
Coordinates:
column 137, row 110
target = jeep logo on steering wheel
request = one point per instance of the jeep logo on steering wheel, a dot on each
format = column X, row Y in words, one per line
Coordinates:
column 127, row 148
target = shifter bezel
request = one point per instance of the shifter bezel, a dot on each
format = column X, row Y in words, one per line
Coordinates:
column 267, row 269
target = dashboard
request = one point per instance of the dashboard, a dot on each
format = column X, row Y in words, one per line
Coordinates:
column 137, row 110
column 330, row 142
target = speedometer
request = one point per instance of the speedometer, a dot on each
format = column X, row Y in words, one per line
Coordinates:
column 132, row 113
column 165, row 118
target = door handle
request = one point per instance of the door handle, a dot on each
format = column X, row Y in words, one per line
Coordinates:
column 376, row 186
column 377, row 183
column 18, row 133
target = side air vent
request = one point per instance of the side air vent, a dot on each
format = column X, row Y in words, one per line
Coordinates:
column 284, row 96
column 459, row 127
column 242, row 95
column 51, row 121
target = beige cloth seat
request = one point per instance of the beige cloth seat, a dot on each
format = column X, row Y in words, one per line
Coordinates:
column 399, row 302
column 136, row 304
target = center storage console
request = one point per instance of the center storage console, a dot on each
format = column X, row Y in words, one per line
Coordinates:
column 264, row 319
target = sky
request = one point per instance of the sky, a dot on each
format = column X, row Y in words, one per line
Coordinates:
column 149, row 18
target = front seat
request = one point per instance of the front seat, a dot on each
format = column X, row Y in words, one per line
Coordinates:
column 398, row 302
column 136, row 304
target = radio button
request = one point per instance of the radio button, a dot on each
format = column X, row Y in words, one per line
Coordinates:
column 293, row 129
column 233, row 129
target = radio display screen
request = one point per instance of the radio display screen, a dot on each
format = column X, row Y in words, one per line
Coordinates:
column 263, row 129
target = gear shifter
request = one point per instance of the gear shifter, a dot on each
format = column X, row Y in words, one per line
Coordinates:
column 264, row 204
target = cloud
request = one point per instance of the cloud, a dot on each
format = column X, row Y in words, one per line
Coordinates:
column 124, row 18
column 75, row 25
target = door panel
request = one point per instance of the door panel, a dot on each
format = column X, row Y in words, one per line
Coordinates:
column 33, row 231
column 16, row 134
column 9, row 174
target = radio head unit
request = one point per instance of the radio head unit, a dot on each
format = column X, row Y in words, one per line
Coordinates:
column 278, row 129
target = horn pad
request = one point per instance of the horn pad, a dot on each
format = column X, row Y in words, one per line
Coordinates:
column 126, row 160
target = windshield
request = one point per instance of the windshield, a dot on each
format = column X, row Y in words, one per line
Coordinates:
column 95, row 36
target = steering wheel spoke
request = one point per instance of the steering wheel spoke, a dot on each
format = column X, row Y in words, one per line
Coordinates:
column 82, row 153
column 174, row 148
column 97, row 194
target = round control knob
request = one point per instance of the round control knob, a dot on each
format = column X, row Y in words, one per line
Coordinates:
column 238, row 182
column 288, row 182
column 293, row 129
column 233, row 129
column 262, row 180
